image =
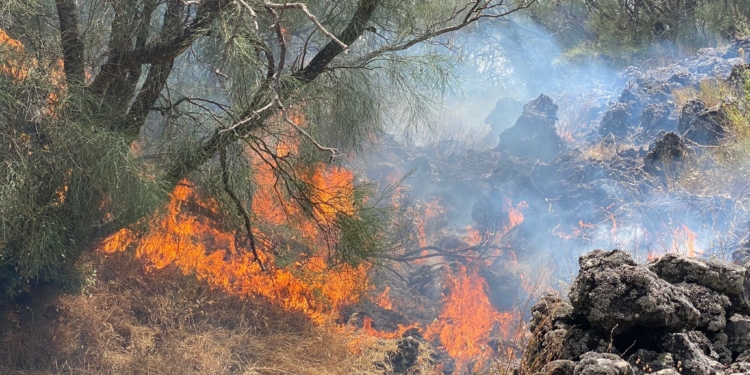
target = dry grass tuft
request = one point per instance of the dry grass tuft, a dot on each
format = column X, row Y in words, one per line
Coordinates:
column 129, row 322
column 710, row 91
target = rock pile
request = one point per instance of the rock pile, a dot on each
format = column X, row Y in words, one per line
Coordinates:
column 675, row 315
column 534, row 135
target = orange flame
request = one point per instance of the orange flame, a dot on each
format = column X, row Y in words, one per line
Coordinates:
column 467, row 320
column 515, row 216
column 384, row 300
column 197, row 245
column 683, row 241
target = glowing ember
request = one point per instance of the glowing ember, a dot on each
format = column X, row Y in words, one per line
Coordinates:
column 467, row 320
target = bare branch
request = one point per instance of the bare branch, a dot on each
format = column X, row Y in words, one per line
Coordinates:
column 334, row 151
column 240, row 208
column 475, row 13
column 312, row 18
column 250, row 9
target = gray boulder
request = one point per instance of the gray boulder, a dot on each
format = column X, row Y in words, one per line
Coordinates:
column 711, row 305
column 690, row 358
column 615, row 294
column 738, row 334
column 602, row 364
column 559, row 367
column 725, row 278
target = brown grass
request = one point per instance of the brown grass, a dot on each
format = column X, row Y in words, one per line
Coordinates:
column 710, row 91
column 129, row 322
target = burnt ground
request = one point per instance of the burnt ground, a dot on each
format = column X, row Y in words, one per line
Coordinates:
column 642, row 167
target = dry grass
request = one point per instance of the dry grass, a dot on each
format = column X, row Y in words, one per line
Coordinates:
column 129, row 322
column 710, row 91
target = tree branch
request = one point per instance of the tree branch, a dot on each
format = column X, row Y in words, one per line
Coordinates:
column 240, row 208
column 474, row 14
column 355, row 29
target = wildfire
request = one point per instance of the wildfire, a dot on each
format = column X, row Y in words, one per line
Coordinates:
column 683, row 242
column 384, row 300
column 16, row 63
column 466, row 323
column 515, row 216
column 197, row 245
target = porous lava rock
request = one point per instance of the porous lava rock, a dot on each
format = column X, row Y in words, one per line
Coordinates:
column 724, row 278
column 406, row 355
column 669, row 317
column 617, row 121
column 701, row 124
column 593, row 363
column 711, row 305
column 669, row 156
column 506, row 111
column 559, row 367
column 614, row 293
column 691, row 359
column 534, row 135
column 657, row 116
column 648, row 361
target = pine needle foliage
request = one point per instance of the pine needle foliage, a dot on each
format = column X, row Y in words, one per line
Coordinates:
column 118, row 101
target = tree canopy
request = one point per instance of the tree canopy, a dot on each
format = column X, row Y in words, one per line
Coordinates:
column 107, row 105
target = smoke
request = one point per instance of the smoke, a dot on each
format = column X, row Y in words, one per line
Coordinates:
column 595, row 193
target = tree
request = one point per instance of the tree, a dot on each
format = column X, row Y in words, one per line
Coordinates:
column 106, row 105
column 628, row 30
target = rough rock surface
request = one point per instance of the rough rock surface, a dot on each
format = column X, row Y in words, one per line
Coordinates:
column 617, row 121
column 615, row 293
column 676, row 315
column 534, row 135
column 559, row 367
column 593, row 363
column 669, row 156
column 728, row 279
column 700, row 124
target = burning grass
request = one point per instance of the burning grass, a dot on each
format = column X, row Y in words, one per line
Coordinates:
column 134, row 322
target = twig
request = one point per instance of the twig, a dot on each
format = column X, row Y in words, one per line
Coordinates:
column 250, row 9
column 240, row 208
column 254, row 115
column 334, row 151
column 312, row 18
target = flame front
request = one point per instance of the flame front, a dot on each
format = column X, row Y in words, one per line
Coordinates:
column 468, row 319
column 196, row 245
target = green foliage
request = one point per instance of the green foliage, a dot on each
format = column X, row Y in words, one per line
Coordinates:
column 155, row 92
column 61, row 181
column 627, row 32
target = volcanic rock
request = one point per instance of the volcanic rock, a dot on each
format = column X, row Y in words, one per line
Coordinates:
column 711, row 305
column 691, row 360
column 738, row 334
column 534, row 135
column 701, row 124
column 616, row 294
column 559, row 367
column 502, row 116
column 406, row 355
column 669, row 156
column 647, row 361
column 617, row 121
column 593, row 363
column 725, row 278
column 656, row 116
